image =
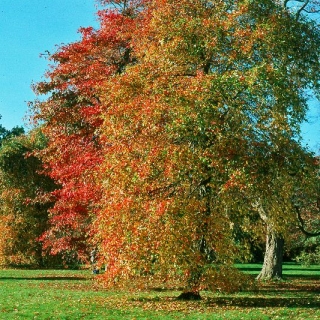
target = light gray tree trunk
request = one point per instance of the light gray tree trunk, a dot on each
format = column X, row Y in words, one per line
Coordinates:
column 273, row 258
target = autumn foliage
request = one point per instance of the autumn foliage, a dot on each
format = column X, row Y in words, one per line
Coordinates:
column 71, row 119
column 166, row 126
column 23, row 217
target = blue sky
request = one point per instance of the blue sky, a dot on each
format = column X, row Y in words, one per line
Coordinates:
column 30, row 27
column 311, row 129
column 27, row 29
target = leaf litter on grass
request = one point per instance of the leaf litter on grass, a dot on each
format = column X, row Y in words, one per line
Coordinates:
column 296, row 298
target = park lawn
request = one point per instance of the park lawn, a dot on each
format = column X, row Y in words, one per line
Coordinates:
column 70, row 294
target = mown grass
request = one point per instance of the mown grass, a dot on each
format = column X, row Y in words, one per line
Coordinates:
column 67, row 294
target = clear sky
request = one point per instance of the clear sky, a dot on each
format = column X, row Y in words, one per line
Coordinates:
column 311, row 129
column 27, row 29
column 30, row 27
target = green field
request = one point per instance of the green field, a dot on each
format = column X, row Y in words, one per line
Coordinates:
column 68, row 294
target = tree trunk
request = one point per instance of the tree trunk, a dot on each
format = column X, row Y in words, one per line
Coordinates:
column 272, row 264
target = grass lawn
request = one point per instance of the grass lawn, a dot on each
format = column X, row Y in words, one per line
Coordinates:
column 68, row 294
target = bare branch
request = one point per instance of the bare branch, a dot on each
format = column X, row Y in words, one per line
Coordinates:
column 301, row 225
column 302, row 8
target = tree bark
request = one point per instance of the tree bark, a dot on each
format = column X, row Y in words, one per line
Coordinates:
column 272, row 264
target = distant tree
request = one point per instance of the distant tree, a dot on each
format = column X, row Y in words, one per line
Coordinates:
column 23, row 215
column 14, row 132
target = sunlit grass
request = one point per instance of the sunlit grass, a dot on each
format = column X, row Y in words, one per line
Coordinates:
column 67, row 294
column 289, row 269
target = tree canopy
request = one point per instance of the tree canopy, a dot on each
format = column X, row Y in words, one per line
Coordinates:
column 23, row 216
column 174, row 124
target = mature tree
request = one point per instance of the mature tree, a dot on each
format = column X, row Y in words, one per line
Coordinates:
column 23, row 218
column 304, row 166
column 292, row 185
column 201, row 131
column 170, row 125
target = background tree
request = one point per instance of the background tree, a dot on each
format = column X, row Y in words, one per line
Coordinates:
column 5, row 133
column 304, row 239
column 292, row 179
column 23, row 218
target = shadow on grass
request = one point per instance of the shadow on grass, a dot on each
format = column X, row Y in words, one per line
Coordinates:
column 158, row 289
column 301, row 276
column 299, row 288
column 242, row 302
column 260, row 302
column 299, row 270
column 250, row 269
column 44, row 278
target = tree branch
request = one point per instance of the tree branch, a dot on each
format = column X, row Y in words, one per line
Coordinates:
column 262, row 213
column 302, row 8
column 301, row 225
